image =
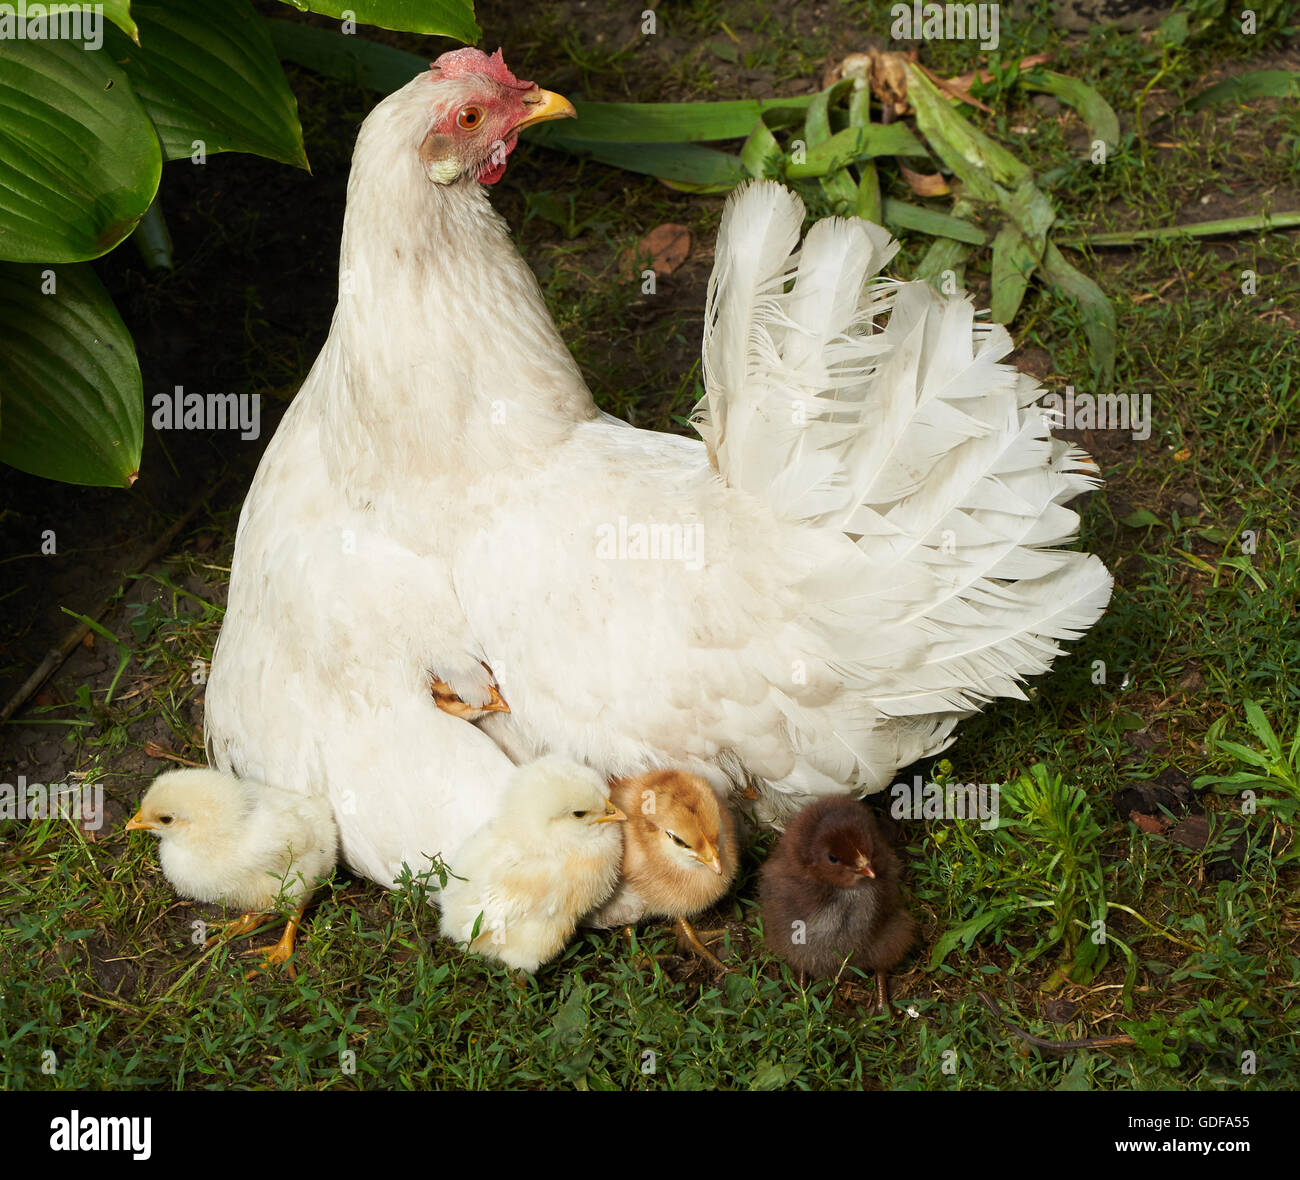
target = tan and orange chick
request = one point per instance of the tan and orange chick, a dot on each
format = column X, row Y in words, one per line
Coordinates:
column 679, row 853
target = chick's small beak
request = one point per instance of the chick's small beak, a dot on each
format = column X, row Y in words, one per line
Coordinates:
column 863, row 867
column 137, row 823
column 546, row 105
column 710, row 859
column 612, row 815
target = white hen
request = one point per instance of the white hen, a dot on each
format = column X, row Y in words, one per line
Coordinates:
column 865, row 549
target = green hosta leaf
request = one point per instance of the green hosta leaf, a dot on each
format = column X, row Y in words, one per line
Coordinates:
column 1098, row 311
column 351, row 59
column 71, row 400
column 117, row 11
column 207, row 71
column 1094, row 110
column 79, row 160
column 854, row 144
column 439, row 18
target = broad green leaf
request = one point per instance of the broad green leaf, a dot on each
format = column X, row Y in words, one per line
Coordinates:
column 981, row 164
column 79, row 159
column 761, row 154
column 1018, row 249
column 1094, row 110
column 679, row 163
column 117, row 11
column 854, row 144
column 943, row 254
column 1143, row 518
column 901, row 215
column 1013, row 266
column 207, row 71
column 869, row 202
column 1244, row 87
column 1098, row 312
column 71, row 400
column 438, row 18
column 350, row 59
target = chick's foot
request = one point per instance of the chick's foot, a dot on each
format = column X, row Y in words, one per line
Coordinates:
column 244, row 924
column 281, row 953
column 447, row 700
column 687, row 936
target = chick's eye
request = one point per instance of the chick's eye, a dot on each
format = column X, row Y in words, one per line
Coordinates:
column 833, row 859
column 164, row 819
column 676, row 839
column 579, row 815
column 469, row 118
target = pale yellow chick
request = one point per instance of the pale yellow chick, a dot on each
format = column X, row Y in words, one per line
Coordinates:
column 549, row 856
column 679, row 852
column 239, row 843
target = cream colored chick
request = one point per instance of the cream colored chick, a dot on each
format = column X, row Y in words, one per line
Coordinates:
column 239, row 843
column 679, row 852
column 550, row 855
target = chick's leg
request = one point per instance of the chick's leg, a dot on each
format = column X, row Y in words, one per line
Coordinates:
column 282, row 951
column 686, row 934
column 882, row 991
column 241, row 925
column 445, row 697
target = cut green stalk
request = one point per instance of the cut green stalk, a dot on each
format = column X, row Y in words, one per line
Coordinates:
column 901, row 215
column 1200, row 229
column 854, row 144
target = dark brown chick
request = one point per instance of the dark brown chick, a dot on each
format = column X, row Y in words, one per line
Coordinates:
column 679, row 852
column 829, row 892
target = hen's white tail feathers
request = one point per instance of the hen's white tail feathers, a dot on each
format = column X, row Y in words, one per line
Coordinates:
column 882, row 410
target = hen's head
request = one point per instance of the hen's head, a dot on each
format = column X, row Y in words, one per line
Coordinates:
column 475, row 110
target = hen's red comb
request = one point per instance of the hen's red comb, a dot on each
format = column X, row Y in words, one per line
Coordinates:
column 460, row 62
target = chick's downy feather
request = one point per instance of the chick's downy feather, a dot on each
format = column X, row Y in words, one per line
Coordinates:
column 829, row 892
column 237, row 842
column 550, row 855
column 679, row 848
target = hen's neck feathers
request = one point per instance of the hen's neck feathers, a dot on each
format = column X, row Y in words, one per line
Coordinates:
column 441, row 353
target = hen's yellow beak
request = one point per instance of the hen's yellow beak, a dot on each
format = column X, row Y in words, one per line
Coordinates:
column 612, row 815
column 546, row 105
column 137, row 823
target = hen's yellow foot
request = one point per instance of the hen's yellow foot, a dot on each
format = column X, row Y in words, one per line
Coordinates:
column 449, row 702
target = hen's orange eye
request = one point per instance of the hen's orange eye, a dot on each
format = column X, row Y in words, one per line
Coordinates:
column 469, row 118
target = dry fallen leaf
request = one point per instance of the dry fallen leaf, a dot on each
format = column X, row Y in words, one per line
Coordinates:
column 1148, row 823
column 925, row 184
column 662, row 250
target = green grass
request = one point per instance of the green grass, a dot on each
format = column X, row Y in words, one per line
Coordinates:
column 1198, row 522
